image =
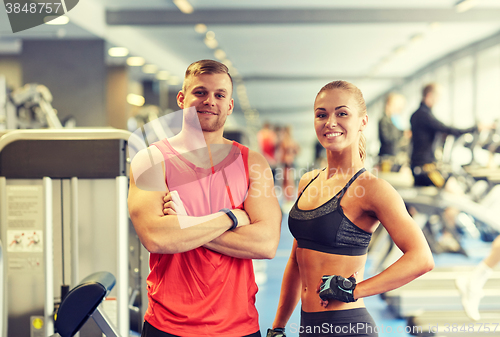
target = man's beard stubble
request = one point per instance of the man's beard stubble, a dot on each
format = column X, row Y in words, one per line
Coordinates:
column 206, row 126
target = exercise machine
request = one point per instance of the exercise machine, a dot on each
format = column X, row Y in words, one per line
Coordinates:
column 436, row 291
column 82, row 302
column 33, row 102
column 63, row 205
column 433, row 300
column 27, row 107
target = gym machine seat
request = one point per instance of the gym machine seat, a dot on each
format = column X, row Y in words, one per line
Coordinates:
column 82, row 302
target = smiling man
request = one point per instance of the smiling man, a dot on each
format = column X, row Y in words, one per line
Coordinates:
column 221, row 212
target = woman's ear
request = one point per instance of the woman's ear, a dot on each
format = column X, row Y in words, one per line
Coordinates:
column 364, row 122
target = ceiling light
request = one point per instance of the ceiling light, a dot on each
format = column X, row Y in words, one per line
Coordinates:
column 227, row 63
column 241, row 89
column 56, row 20
column 210, row 35
column 464, row 5
column 149, row 69
column 200, row 28
column 136, row 61
column 136, row 100
column 184, row 6
column 220, row 54
column 118, row 52
column 211, row 43
column 163, row 75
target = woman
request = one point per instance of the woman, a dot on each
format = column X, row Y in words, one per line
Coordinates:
column 337, row 210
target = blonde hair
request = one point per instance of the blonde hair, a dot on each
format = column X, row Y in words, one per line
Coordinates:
column 205, row 67
column 358, row 96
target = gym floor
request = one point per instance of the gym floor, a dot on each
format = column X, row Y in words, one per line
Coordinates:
column 270, row 274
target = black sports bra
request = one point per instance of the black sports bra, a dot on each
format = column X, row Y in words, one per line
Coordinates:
column 326, row 228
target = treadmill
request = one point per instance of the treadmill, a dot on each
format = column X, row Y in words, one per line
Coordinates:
column 436, row 292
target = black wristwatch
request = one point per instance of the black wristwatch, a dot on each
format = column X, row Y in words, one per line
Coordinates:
column 231, row 216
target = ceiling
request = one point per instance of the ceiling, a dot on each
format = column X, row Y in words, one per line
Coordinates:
column 283, row 51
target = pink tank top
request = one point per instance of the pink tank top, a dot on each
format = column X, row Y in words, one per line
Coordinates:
column 202, row 292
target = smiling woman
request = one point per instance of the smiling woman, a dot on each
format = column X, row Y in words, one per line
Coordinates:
column 332, row 226
column 354, row 111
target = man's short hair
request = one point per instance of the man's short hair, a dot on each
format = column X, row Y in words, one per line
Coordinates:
column 205, row 67
column 431, row 87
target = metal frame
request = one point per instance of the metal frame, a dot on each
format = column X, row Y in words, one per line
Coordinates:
column 48, row 253
column 75, row 278
column 3, row 274
column 123, row 251
column 122, row 222
column 62, row 134
column 105, row 324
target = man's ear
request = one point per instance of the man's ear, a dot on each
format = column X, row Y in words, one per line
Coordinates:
column 231, row 107
column 180, row 99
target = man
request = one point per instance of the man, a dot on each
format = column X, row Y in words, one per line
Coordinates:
column 424, row 127
column 201, row 281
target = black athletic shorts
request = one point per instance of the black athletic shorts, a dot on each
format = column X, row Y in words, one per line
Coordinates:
column 350, row 322
column 150, row 331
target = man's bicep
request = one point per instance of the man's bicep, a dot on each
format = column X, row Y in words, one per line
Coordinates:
column 144, row 204
column 261, row 203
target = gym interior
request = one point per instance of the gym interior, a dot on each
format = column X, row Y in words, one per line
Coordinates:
column 81, row 94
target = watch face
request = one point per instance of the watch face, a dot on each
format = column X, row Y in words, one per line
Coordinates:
column 347, row 284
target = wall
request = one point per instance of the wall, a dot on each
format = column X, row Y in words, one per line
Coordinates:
column 10, row 67
column 118, row 110
column 74, row 72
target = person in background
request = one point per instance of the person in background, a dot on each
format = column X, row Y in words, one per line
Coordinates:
column 267, row 139
column 219, row 213
column 332, row 221
column 390, row 133
column 289, row 149
column 424, row 127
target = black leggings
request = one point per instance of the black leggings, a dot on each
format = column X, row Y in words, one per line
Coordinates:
column 150, row 331
column 350, row 322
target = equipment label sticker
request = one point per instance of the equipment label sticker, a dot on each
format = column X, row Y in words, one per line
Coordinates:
column 25, row 207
